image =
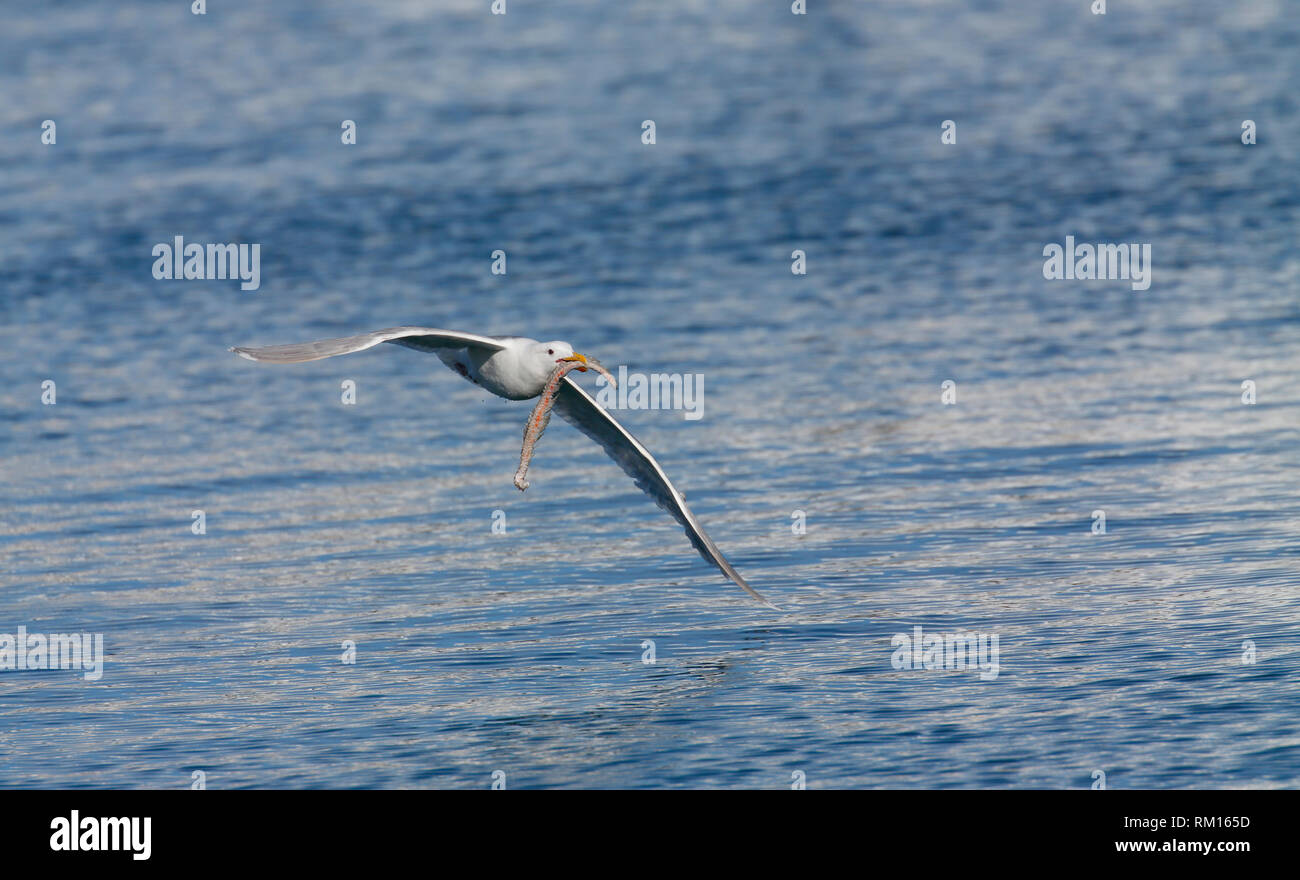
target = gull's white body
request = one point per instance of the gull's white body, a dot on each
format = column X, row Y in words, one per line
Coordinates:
column 517, row 368
column 513, row 372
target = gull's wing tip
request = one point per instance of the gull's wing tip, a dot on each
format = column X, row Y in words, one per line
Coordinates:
column 763, row 600
column 242, row 352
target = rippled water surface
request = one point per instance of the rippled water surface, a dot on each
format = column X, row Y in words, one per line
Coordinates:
column 523, row 652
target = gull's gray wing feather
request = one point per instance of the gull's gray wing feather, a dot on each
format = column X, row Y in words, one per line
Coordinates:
column 577, row 408
column 422, row 338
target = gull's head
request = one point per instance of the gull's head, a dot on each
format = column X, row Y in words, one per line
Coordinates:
column 548, row 354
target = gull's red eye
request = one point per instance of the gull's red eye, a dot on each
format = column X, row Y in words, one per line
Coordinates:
column 550, row 351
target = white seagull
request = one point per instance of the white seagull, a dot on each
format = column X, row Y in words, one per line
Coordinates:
column 518, row 368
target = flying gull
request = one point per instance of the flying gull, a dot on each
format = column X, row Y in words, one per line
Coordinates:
column 518, row 368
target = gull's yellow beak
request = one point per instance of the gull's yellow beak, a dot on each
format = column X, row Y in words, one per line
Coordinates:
column 576, row 357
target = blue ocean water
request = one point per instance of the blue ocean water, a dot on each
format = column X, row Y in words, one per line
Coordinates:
column 1123, row 653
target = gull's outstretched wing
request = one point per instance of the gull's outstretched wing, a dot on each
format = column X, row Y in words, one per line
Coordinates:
column 577, row 408
column 421, row 338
